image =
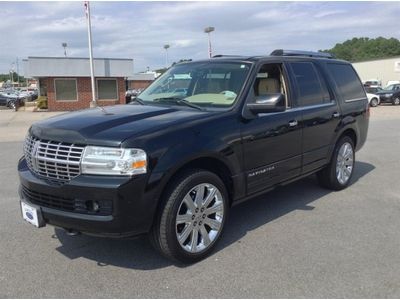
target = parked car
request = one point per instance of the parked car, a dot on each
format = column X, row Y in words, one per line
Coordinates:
column 19, row 96
column 390, row 82
column 172, row 166
column 12, row 103
column 131, row 94
column 373, row 83
column 372, row 90
column 373, row 100
column 26, row 94
column 391, row 94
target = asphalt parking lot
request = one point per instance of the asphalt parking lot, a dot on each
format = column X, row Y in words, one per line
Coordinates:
column 297, row 241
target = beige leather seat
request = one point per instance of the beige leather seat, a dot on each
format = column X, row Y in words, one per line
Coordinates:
column 268, row 85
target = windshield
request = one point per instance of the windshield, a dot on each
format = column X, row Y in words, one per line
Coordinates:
column 372, row 90
column 206, row 85
column 389, row 87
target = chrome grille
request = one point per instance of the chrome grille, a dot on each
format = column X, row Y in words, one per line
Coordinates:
column 54, row 160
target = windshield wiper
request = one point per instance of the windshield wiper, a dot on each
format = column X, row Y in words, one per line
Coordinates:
column 178, row 101
column 138, row 100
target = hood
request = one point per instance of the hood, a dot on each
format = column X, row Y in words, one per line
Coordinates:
column 94, row 127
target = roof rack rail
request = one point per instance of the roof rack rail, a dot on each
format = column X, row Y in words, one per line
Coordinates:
column 223, row 55
column 281, row 52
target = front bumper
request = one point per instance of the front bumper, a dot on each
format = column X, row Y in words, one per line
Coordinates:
column 131, row 210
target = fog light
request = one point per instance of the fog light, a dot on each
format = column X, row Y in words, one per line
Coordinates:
column 92, row 206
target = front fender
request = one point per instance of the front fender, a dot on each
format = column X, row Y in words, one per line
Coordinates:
column 193, row 147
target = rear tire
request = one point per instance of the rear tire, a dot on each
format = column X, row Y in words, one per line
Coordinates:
column 396, row 101
column 192, row 216
column 337, row 175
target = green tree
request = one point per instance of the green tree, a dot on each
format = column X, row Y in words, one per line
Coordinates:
column 364, row 48
column 6, row 77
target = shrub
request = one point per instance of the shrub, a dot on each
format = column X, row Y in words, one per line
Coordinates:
column 42, row 102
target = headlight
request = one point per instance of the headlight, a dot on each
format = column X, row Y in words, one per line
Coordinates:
column 113, row 161
column 388, row 95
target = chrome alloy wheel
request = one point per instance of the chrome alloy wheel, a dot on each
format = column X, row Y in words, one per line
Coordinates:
column 344, row 163
column 199, row 218
column 12, row 105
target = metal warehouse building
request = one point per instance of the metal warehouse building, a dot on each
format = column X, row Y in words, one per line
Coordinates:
column 66, row 80
column 382, row 69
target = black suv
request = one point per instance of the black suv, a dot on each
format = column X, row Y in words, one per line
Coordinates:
column 204, row 136
column 391, row 94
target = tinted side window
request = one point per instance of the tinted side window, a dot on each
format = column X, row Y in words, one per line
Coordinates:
column 311, row 90
column 347, row 81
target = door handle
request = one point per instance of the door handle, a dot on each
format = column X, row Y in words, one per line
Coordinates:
column 293, row 123
column 336, row 115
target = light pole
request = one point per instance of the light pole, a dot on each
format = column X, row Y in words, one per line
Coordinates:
column 17, row 71
column 89, row 30
column 64, row 45
column 12, row 75
column 166, row 47
column 208, row 30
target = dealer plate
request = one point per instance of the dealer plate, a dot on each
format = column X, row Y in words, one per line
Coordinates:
column 32, row 214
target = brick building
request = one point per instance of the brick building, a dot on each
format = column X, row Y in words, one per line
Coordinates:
column 141, row 80
column 66, row 81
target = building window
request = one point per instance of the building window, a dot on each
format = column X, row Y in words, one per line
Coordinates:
column 107, row 89
column 66, row 89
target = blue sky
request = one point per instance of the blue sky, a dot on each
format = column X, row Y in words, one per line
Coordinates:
column 139, row 30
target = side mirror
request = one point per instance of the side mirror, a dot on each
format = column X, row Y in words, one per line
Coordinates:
column 274, row 102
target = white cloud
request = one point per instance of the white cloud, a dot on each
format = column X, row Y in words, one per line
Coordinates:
column 139, row 30
column 327, row 13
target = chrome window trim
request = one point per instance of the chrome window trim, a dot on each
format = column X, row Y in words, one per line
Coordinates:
column 355, row 99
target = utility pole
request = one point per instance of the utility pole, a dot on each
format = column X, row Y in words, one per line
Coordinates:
column 89, row 29
column 12, row 75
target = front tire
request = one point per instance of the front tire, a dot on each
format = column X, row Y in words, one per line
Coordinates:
column 396, row 101
column 192, row 217
column 374, row 102
column 12, row 105
column 337, row 175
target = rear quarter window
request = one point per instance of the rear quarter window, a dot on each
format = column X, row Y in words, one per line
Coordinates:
column 346, row 79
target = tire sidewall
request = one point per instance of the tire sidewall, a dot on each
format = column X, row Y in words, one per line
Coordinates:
column 12, row 104
column 343, row 140
column 181, row 188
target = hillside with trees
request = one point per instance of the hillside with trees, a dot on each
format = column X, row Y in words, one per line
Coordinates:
column 360, row 49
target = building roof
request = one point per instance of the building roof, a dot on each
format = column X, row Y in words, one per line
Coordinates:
column 377, row 59
column 143, row 76
column 77, row 67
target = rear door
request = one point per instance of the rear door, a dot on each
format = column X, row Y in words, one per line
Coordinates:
column 320, row 113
